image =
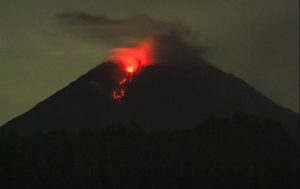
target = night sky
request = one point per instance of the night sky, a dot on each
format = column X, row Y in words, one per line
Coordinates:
column 256, row 40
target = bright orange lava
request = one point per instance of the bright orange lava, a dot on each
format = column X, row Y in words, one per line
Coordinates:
column 130, row 69
column 131, row 61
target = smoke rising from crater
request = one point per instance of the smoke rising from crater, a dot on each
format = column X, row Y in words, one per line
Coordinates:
column 173, row 42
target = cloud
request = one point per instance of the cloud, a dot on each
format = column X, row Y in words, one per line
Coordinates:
column 174, row 42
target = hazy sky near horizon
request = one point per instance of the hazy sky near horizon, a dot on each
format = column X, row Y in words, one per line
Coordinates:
column 256, row 40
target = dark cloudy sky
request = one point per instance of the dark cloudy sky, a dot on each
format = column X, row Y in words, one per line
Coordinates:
column 256, row 40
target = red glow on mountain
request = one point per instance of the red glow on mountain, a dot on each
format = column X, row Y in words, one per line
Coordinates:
column 131, row 61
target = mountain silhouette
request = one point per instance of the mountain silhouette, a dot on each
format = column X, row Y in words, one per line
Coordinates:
column 181, row 127
column 159, row 97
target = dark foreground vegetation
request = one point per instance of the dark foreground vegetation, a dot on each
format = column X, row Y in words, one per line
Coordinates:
column 241, row 152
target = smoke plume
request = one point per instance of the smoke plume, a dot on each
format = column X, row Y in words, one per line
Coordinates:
column 173, row 42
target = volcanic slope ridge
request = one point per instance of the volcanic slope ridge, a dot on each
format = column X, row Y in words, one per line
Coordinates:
column 159, row 97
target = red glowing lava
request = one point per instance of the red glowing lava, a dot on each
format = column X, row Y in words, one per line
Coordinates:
column 119, row 92
column 131, row 61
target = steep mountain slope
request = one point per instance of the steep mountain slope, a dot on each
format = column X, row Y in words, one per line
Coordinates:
column 160, row 97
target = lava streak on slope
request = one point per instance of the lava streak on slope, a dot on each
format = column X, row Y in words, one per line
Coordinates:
column 119, row 92
column 131, row 61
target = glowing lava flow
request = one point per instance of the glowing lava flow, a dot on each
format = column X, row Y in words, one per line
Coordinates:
column 119, row 92
column 131, row 61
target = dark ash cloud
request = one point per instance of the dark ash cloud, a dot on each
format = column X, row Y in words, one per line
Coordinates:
column 174, row 42
column 102, row 28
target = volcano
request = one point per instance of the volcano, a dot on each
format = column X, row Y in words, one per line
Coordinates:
column 160, row 97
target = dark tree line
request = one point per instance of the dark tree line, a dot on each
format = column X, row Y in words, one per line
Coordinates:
column 241, row 152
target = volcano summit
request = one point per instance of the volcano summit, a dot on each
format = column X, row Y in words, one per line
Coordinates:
column 159, row 97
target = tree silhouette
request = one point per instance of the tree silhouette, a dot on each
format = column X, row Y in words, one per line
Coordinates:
column 237, row 152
